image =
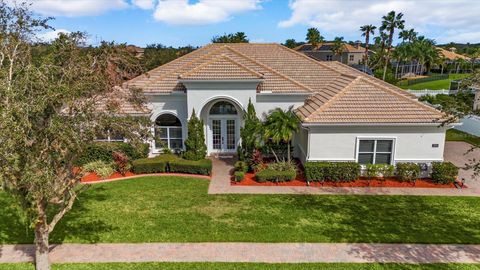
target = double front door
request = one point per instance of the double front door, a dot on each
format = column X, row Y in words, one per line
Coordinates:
column 224, row 137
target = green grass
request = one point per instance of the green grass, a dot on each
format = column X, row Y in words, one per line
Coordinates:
column 434, row 85
column 176, row 209
column 244, row 266
column 457, row 135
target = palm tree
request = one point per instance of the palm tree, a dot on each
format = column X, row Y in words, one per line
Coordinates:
column 338, row 47
column 401, row 53
column 367, row 30
column 390, row 22
column 408, row 35
column 314, row 37
column 280, row 126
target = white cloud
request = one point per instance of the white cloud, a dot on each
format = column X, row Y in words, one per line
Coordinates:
column 181, row 12
column 144, row 4
column 344, row 17
column 51, row 35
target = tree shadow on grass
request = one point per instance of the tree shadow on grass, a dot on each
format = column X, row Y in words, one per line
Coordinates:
column 396, row 219
column 77, row 224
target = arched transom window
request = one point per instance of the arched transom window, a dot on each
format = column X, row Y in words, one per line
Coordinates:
column 223, row 107
column 168, row 132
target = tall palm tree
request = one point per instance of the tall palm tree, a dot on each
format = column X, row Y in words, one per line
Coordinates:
column 408, row 35
column 314, row 37
column 338, row 47
column 280, row 126
column 390, row 22
column 367, row 30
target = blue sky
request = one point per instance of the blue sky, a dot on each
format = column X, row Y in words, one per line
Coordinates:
column 187, row 22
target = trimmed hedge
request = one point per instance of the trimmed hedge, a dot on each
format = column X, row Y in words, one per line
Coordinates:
column 104, row 151
column 203, row 166
column 444, row 172
column 239, row 176
column 172, row 163
column 241, row 166
column 407, row 172
column 149, row 165
column 275, row 176
column 332, row 171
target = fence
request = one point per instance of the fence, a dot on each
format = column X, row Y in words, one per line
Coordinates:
column 420, row 93
column 427, row 79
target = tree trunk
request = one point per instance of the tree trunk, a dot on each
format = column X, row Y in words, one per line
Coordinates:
column 288, row 153
column 396, row 69
column 385, row 68
column 41, row 242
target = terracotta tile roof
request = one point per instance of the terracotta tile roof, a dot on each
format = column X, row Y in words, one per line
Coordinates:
column 452, row 55
column 221, row 68
column 118, row 101
column 327, row 46
column 363, row 101
column 339, row 93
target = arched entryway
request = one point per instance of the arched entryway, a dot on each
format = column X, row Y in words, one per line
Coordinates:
column 222, row 119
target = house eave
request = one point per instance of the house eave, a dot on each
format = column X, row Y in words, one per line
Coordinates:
column 378, row 124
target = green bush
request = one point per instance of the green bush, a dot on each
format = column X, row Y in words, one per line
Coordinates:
column 275, row 176
column 386, row 170
column 239, row 176
column 408, row 172
column 241, row 166
column 444, row 172
column 99, row 167
column 150, row 165
column 372, row 170
column 332, row 171
column 283, row 166
column 202, row 166
column 104, row 151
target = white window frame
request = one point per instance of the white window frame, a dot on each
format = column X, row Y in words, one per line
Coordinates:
column 109, row 138
column 329, row 57
column 393, row 153
column 168, row 138
column 351, row 57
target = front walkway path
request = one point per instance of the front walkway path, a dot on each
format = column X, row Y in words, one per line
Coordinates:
column 248, row 252
column 221, row 178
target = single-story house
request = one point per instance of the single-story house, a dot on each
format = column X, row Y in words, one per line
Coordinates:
column 345, row 114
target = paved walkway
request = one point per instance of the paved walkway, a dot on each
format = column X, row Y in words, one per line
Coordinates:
column 222, row 168
column 248, row 252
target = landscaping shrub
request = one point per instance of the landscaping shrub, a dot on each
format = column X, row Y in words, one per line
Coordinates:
column 239, row 176
column 150, row 165
column 203, row 166
column 283, row 166
column 407, row 172
column 386, row 170
column 241, row 166
column 332, row 171
column 195, row 146
column 372, row 171
column 122, row 164
column 444, row 172
column 275, row 176
column 104, row 151
column 101, row 168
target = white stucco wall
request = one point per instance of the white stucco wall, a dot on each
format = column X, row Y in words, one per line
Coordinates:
column 412, row 143
column 268, row 102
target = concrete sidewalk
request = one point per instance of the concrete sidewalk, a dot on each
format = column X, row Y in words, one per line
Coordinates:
column 248, row 252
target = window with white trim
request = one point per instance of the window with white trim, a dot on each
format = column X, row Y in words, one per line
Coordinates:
column 351, row 57
column 109, row 136
column 168, row 132
column 375, row 151
column 329, row 57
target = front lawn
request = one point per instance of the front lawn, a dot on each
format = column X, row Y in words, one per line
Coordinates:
column 246, row 266
column 176, row 209
column 457, row 135
column 434, row 85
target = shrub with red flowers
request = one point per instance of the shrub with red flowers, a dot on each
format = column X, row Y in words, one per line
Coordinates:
column 122, row 163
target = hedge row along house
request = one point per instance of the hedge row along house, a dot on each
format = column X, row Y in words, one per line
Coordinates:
column 345, row 115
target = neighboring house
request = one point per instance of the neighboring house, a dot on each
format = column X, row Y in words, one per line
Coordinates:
column 345, row 114
column 476, row 102
column 352, row 54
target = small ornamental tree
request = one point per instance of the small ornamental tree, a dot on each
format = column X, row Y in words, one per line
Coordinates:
column 195, row 147
column 250, row 132
column 50, row 95
column 280, row 127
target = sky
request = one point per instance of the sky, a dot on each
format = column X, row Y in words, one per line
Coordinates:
column 195, row 22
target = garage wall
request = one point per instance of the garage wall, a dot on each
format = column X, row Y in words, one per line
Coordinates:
column 412, row 143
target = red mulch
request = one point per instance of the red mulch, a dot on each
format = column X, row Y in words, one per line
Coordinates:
column 92, row 177
column 300, row 181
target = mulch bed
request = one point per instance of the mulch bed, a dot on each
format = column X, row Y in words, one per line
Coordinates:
column 249, row 180
column 93, row 177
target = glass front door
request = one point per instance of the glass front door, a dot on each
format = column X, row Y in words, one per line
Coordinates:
column 224, row 135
